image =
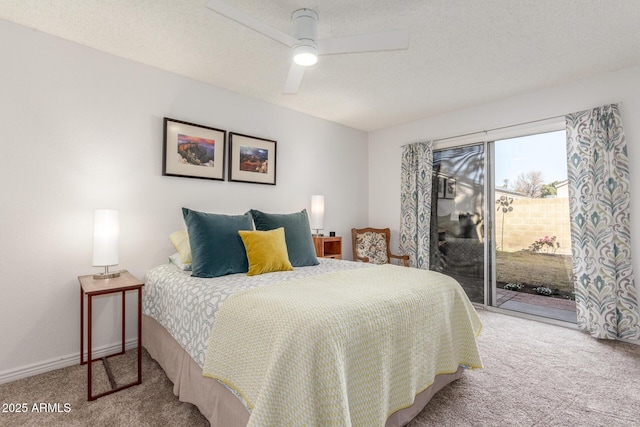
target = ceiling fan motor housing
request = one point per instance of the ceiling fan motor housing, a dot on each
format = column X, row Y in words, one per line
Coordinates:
column 306, row 26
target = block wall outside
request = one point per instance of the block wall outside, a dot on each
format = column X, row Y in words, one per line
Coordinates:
column 532, row 219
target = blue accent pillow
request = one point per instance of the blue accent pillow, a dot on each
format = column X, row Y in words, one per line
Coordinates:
column 297, row 234
column 216, row 246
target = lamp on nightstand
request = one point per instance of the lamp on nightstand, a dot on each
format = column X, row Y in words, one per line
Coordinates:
column 317, row 214
column 106, row 233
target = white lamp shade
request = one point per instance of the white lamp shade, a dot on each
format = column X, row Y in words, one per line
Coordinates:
column 317, row 212
column 106, row 233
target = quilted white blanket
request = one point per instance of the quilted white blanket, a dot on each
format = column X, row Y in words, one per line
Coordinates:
column 342, row 349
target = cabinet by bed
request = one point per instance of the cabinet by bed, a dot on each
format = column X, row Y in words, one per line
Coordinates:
column 328, row 247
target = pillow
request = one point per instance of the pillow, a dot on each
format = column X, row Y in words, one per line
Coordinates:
column 180, row 241
column 216, row 247
column 297, row 234
column 175, row 260
column 266, row 251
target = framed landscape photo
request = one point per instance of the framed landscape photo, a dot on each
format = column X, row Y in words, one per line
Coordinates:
column 252, row 159
column 193, row 151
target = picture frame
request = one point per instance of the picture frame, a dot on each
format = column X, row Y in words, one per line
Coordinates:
column 252, row 159
column 450, row 189
column 193, row 151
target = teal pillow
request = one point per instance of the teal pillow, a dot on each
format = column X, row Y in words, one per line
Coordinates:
column 216, row 246
column 297, row 234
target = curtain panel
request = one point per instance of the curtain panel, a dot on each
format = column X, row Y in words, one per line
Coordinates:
column 415, row 203
column 599, row 199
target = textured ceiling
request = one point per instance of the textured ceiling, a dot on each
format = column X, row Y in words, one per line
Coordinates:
column 461, row 52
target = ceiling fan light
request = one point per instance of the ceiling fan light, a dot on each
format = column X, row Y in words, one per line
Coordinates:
column 305, row 55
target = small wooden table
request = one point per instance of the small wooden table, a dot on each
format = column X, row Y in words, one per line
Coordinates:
column 93, row 287
column 328, row 247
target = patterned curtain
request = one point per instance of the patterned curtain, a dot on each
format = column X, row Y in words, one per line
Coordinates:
column 415, row 203
column 598, row 171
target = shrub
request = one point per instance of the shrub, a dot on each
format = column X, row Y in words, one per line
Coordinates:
column 513, row 287
column 543, row 290
column 547, row 243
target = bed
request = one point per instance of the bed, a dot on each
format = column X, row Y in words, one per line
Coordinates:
column 332, row 342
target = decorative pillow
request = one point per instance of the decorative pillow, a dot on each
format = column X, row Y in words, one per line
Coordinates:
column 297, row 234
column 175, row 260
column 266, row 251
column 216, row 247
column 180, row 241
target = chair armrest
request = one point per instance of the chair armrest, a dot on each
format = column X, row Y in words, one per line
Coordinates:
column 361, row 258
column 404, row 258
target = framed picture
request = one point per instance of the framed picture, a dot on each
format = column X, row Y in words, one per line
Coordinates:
column 252, row 159
column 441, row 185
column 193, row 151
column 450, row 189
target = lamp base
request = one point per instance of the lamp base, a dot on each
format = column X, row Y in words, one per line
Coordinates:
column 107, row 274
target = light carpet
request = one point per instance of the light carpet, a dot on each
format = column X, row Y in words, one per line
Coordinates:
column 535, row 374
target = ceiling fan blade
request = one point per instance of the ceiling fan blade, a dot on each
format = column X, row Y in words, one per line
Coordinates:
column 388, row 40
column 296, row 72
column 250, row 22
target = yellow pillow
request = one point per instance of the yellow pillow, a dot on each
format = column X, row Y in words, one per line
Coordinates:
column 180, row 240
column 266, row 251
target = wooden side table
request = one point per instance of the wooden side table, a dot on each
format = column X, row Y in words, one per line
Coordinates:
column 93, row 287
column 328, row 247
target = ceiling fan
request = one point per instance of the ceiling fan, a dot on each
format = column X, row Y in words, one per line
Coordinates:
column 304, row 44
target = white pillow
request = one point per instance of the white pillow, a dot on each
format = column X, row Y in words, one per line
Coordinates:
column 175, row 260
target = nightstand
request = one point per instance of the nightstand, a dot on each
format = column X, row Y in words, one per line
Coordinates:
column 328, row 247
column 93, row 287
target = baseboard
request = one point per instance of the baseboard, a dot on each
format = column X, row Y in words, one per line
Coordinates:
column 62, row 362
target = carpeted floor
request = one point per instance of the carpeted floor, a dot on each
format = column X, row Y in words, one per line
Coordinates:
column 535, row 375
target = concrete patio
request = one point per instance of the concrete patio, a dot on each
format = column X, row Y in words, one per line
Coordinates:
column 538, row 305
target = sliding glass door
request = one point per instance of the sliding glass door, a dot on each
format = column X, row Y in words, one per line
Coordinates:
column 500, row 223
column 458, row 243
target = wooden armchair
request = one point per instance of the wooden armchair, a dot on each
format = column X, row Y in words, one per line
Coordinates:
column 372, row 245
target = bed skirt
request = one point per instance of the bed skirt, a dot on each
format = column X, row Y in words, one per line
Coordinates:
column 216, row 402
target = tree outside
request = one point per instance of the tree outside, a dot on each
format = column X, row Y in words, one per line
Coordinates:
column 530, row 184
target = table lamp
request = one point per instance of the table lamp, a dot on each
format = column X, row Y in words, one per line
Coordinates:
column 106, row 233
column 317, row 214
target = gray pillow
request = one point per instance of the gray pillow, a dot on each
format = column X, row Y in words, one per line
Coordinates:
column 216, row 246
column 297, row 234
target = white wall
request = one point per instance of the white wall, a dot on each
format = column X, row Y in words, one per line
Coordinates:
column 80, row 130
column 385, row 145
